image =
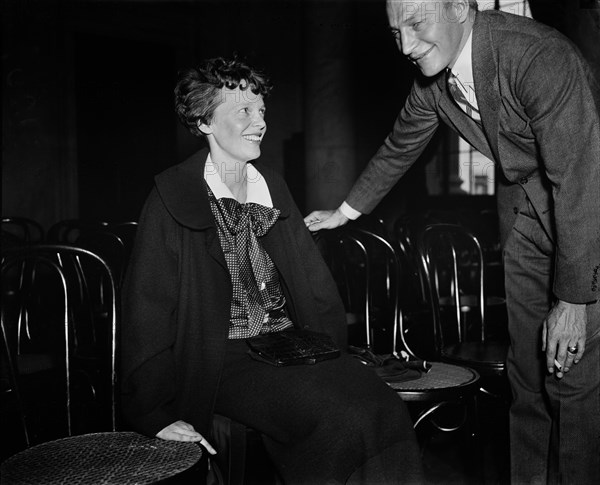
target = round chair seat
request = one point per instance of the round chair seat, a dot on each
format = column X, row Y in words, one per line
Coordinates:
column 442, row 382
column 488, row 357
column 100, row 458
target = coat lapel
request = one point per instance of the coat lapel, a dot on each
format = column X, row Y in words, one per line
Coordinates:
column 464, row 125
column 183, row 192
column 485, row 74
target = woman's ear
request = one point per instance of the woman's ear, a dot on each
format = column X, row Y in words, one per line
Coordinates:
column 204, row 128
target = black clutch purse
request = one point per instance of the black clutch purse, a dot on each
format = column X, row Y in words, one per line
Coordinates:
column 292, row 347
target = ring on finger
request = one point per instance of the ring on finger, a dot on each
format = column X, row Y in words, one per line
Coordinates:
column 573, row 349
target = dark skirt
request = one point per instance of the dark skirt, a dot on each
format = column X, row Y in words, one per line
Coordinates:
column 321, row 423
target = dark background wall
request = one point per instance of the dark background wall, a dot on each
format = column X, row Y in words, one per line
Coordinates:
column 87, row 117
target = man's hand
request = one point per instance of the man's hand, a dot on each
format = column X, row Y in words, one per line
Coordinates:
column 318, row 220
column 564, row 327
column 182, row 431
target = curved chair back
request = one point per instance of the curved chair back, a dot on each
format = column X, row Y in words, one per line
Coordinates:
column 17, row 231
column 109, row 246
column 365, row 268
column 454, row 270
column 68, row 230
column 59, row 311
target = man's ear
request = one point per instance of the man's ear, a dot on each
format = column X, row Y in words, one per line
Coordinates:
column 204, row 128
column 462, row 10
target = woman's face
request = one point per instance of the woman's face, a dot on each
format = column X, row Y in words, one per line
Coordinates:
column 237, row 127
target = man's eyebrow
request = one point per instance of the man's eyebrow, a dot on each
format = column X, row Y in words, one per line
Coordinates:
column 407, row 20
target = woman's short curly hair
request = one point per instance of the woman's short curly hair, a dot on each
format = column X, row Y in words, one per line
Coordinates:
column 197, row 93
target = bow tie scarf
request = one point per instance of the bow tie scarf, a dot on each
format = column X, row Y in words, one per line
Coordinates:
column 245, row 223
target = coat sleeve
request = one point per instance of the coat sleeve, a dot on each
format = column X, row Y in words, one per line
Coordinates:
column 415, row 126
column 555, row 90
column 323, row 293
column 148, row 331
column 311, row 292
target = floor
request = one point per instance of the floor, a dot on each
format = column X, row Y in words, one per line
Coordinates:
column 447, row 459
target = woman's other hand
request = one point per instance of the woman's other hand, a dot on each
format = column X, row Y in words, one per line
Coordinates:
column 182, row 431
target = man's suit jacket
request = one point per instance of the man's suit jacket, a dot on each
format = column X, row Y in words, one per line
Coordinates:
column 540, row 126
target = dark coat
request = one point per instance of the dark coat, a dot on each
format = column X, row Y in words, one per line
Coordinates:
column 540, row 126
column 177, row 297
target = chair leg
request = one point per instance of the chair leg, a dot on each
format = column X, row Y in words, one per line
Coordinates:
column 474, row 458
column 230, row 440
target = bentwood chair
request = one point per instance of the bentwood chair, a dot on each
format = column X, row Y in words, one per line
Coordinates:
column 107, row 458
column 113, row 241
column 368, row 271
column 18, row 231
column 67, row 231
column 126, row 232
column 365, row 281
column 109, row 246
column 454, row 268
column 59, row 324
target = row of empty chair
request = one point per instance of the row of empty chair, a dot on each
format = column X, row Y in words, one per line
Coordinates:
column 420, row 293
column 411, row 292
column 113, row 241
column 431, row 284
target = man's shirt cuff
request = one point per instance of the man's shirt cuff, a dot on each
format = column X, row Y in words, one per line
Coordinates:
column 349, row 212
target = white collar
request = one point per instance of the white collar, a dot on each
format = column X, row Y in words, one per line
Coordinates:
column 463, row 70
column 463, row 67
column 257, row 190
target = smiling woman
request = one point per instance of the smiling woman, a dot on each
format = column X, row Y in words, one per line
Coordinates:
column 222, row 255
column 222, row 101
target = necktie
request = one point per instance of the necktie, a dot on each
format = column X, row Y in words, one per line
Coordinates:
column 462, row 96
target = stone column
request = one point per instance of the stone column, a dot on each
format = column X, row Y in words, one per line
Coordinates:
column 583, row 28
column 329, row 118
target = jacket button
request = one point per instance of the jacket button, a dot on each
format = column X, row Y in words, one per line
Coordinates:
column 516, row 210
column 523, row 180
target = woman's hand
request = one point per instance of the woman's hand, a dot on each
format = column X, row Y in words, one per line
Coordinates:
column 182, row 431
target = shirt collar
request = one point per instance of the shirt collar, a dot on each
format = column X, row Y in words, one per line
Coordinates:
column 257, row 190
column 463, row 67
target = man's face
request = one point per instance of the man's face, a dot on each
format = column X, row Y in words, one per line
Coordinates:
column 428, row 32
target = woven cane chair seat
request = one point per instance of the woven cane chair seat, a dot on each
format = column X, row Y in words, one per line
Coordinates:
column 100, row 459
column 443, row 382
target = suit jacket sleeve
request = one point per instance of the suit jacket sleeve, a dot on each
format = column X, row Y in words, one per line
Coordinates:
column 148, row 329
column 553, row 87
column 412, row 131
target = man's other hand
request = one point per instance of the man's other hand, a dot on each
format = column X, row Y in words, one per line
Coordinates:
column 329, row 219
